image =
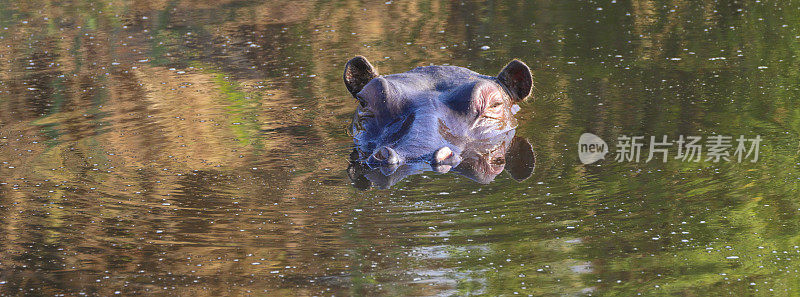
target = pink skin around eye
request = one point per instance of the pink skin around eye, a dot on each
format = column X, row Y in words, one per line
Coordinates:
column 492, row 102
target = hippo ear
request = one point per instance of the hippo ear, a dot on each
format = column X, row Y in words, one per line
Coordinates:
column 516, row 77
column 357, row 73
column 520, row 160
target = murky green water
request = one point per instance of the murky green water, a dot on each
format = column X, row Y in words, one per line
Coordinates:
column 181, row 148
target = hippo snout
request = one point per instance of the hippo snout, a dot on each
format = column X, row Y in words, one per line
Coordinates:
column 384, row 156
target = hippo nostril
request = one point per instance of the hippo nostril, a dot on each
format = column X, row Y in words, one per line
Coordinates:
column 386, row 155
column 445, row 155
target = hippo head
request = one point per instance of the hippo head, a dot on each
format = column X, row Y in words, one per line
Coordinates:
column 441, row 118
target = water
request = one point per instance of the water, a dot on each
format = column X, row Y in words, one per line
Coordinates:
column 182, row 148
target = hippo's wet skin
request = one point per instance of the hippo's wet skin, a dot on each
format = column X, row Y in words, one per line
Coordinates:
column 441, row 118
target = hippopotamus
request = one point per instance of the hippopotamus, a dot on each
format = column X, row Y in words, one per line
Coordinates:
column 440, row 118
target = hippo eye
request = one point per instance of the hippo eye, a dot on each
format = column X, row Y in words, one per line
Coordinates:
column 499, row 161
column 493, row 111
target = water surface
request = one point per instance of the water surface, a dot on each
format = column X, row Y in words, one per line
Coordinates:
column 184, row 148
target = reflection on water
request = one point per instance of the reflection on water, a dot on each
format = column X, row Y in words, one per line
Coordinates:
column 184, row 148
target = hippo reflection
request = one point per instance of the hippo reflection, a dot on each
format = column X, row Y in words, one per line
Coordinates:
column 441, row 118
